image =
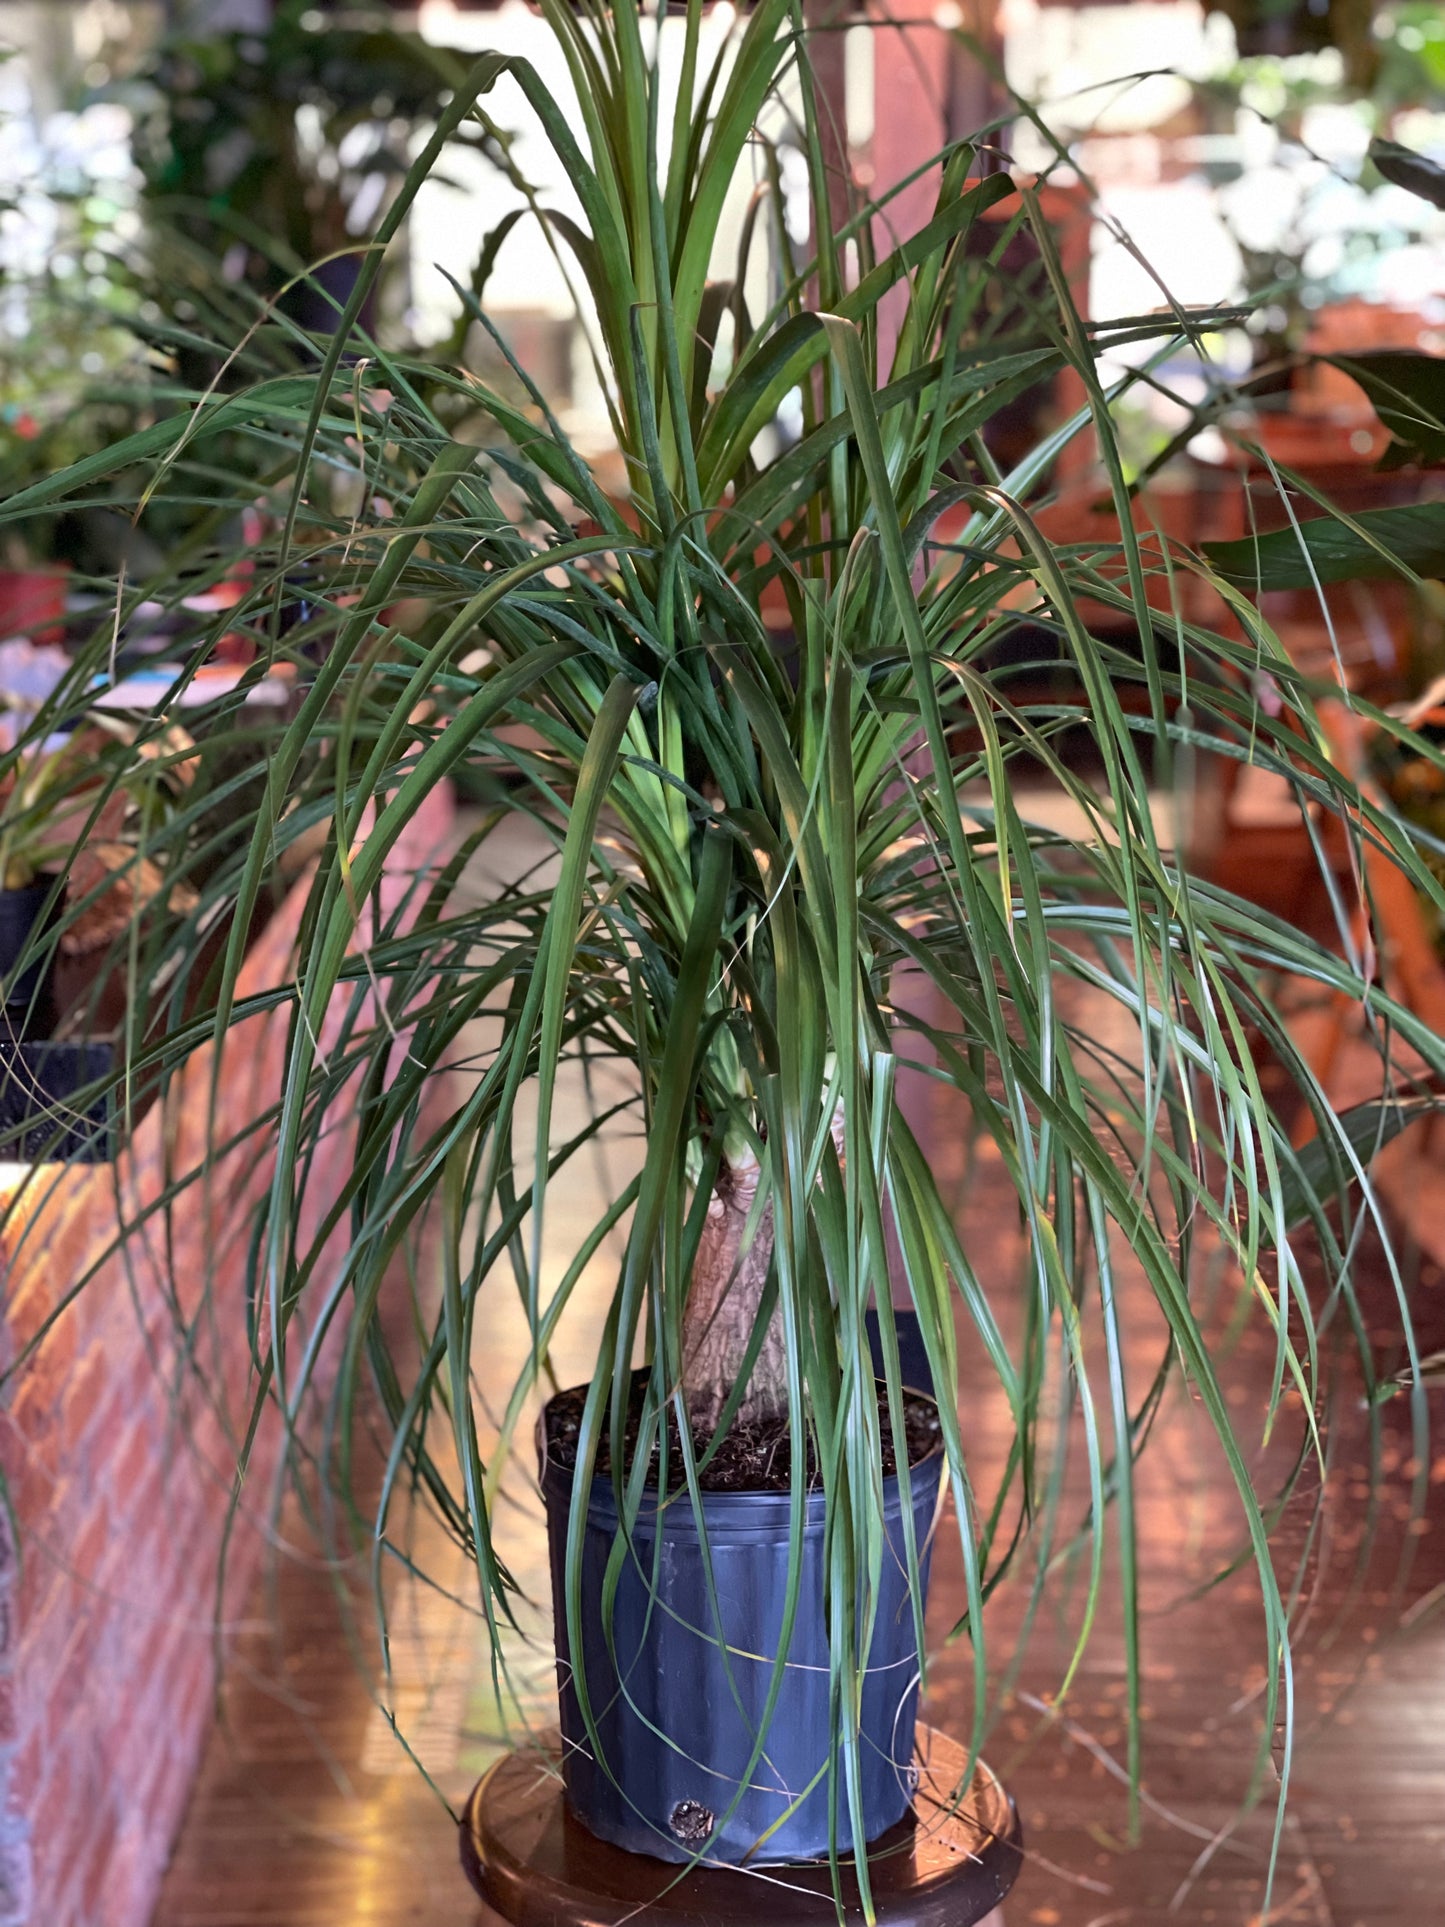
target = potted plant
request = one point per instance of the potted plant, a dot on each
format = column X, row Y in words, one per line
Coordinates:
column 788, row 871
column 38, row 785
column 84, row 842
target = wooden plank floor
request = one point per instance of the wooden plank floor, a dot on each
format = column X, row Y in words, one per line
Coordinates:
column 1364, row 1840
column 308, row 1813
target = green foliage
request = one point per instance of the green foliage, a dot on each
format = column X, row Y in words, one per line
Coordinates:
column 1408, row 392
column 1376, row 544
column 67, row 351
column 1416, row 173
column 1284, row 28
column 1412, row 57
column 1310, row 235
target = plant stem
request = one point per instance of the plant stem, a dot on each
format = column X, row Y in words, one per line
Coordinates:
column 723, row 1301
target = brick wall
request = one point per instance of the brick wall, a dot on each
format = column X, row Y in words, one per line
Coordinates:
column 118, row 1445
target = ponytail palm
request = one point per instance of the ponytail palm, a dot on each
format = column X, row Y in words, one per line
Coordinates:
column 790, row 860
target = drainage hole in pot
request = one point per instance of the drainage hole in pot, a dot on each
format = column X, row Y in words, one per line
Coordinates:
column 691, row 1821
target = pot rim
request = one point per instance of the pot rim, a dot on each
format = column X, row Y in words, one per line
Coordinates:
column 745, row 1515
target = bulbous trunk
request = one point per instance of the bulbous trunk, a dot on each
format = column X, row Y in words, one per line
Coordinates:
column 722, row 1309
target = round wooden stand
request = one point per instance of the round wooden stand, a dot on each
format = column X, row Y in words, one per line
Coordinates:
column 948, row 1865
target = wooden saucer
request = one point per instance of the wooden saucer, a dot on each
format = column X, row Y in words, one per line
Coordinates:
column 948, row 1865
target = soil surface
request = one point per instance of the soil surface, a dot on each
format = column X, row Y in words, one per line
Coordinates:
column 753, row 1458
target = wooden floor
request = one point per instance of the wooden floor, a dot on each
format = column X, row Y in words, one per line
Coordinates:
column 309, row 1813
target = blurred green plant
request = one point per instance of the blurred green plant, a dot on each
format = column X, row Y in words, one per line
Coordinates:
column 66, row 344
column 258, row 163
column 274, row 152
column 1393, row 55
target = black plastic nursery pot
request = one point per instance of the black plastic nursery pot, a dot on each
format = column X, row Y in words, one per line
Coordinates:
column 679, row 1694
column 49, row 1112
column 29, row 994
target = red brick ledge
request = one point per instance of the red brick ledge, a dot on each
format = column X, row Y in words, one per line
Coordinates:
column 117, row 1448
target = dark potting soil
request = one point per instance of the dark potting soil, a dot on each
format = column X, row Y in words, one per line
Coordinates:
column 752, row 1458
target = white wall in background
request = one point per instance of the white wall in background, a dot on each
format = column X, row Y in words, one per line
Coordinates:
column 1177, row 229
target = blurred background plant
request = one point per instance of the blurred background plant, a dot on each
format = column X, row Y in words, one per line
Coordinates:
column 272, row 152
column 1228, row 147
column 1313, row 220
column 184, row 211
column 70, row 359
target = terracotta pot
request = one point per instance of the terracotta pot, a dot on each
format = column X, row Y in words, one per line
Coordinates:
column 32, row 603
